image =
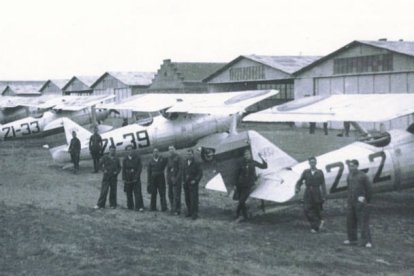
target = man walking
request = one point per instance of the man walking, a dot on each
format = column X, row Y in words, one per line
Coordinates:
column 246, row 180
column 156, row 180
column 74, row 150
column 359, row 197
column 315, row 194
column 192, row 174
column 95, row 148
column 174, row 175
column 131, row 175
column 111, row 168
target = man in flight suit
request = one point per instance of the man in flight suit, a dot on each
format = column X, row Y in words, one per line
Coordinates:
column 111, row 168
column 131, row 175
column 192, row 174
column 156, row 180
column 174, row 175
column 315, row 194
column 95, row 148
column 359, row 197
column 246, row 180
column 74, row 150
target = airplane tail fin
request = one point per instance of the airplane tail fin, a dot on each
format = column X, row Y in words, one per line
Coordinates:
column 70, row 126
column 229, row 153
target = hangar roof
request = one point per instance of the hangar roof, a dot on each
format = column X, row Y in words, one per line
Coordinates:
column 87, row 80
column 401, row 47
column 287, row 64
column 23, row 87
column 130, row 78
column 59, row 83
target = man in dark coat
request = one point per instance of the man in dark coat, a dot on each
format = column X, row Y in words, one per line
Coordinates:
column 131, row 175
column 95, row 148
column 74, row 150
column 156, row 180
column 192, row 174
column 359, row 197
column 315, row 194
column 246, row 180
column 111, row 167
column 174, row 176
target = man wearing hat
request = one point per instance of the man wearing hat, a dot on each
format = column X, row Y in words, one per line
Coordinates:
column 359, row 197
column 315, row 194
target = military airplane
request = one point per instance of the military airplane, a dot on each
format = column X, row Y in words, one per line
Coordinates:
column 48, row 121
column 187, row 120
column 388, row 160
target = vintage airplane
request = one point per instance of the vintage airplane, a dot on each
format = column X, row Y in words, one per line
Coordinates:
column 387, row 160
column 48, row 121
column 187, row 120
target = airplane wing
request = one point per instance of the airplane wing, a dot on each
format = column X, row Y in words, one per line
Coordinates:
column 195, row 103
column 71, row 103
column 350, row 107
column 15, row 101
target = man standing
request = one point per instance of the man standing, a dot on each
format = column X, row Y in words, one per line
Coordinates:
column 359, row 196
column 174, row 175
column 315, row 194
column 192, row 174
column 125, row 122
column 111, row 168
column 156, row 180
column 246, row 180
column 74, row 150
column 131, row 175
column 95, row 148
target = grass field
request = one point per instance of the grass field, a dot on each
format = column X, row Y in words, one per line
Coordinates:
column 48, row 226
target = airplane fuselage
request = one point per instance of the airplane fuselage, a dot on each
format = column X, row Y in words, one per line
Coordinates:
column 46, row 124
column 181, row 132
column 8, row 115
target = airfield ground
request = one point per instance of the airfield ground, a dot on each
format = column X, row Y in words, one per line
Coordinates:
column 48, row 226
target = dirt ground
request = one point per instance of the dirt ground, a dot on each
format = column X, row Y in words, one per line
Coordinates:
column 48, row 226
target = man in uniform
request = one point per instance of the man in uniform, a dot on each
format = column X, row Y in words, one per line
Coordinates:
column 111, row 168
column 125, row 122
column 192, row 174
column 131, row 175
column 315, row 194
column 156, row 180
column 95, row 148
column 246, row 180
column 74, row 150
column 359, row 196
column 174, row 173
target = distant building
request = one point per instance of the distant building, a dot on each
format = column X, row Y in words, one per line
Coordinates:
column 53, row 87
column 122, row 85
column 79, row 85
column 21, row 88
column 361, row 67
column 182, row 77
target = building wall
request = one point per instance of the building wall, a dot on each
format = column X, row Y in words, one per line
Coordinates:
column 167, row 79
column 323, row 80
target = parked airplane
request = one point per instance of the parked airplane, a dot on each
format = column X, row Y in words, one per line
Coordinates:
column 388, row 160
column 188, row 120
column 49, row 122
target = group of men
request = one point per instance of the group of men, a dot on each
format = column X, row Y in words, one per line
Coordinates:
column 359, row 197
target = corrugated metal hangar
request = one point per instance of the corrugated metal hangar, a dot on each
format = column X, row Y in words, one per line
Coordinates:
column 79, row 85
column 361, row 67
column 51, row 87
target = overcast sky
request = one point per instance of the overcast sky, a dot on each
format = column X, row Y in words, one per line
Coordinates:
column 50, row 39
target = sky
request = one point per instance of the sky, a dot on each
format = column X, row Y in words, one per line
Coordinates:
column 59, row 39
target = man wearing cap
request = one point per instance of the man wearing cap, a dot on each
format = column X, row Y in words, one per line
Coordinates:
column 315, row 194
column 111, row 167
column 174, row 175
column 359, row 197
column 95, row 148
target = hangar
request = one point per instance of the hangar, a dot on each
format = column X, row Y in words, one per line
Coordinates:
column 182, row 77
column 53, row 87
column 361, row 67
column 253, row 72
column 122, row 85
column 79, row 85
column 21, row 88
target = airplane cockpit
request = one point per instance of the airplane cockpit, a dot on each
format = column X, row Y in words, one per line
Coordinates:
column 377, row 139
column 169, row 115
